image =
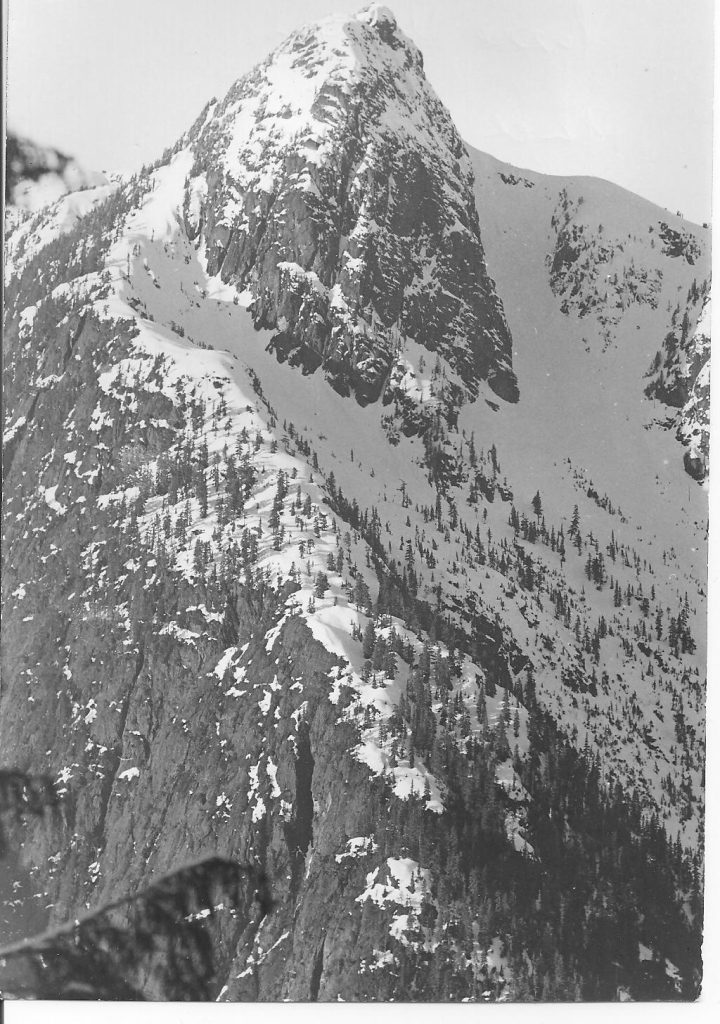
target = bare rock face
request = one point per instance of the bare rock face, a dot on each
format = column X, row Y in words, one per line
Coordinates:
column 679, row 377
column 693, row 429
column 140, row 789
column 332, row 183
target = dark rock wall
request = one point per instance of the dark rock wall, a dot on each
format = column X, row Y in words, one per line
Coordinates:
column 336, row 245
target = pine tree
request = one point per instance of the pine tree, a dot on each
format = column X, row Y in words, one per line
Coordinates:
column 369, row 640
column 537, row 505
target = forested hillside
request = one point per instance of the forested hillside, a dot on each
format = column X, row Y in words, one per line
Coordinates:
column 348, row 536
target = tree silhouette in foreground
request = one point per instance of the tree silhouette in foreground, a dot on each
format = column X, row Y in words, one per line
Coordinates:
column 157, row 944
column 160, row 943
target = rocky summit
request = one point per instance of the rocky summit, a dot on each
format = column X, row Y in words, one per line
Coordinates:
column 355, row 531
column 332, row 183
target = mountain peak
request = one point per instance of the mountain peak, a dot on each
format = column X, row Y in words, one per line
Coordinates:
column 332, row 183
column 384, row 23
column 345, row 46
column 377, row 14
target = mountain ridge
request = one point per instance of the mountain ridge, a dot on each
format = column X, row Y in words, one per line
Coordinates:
column 407, row 653
column 653, row 209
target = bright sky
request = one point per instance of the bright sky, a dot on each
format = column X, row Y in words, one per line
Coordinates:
column 621, row 89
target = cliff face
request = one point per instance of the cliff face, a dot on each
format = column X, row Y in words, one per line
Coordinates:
column 169, row 741
column 332, row 183
column 680, row 378
column 190, row 713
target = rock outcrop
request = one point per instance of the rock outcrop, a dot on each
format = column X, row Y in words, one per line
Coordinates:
column 680, row 378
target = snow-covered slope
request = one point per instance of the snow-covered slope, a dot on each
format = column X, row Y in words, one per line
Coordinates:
column 51, row 219
column 593, row 279
column 491, row 587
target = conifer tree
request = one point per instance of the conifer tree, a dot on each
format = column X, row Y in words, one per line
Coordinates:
column 537, row 505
